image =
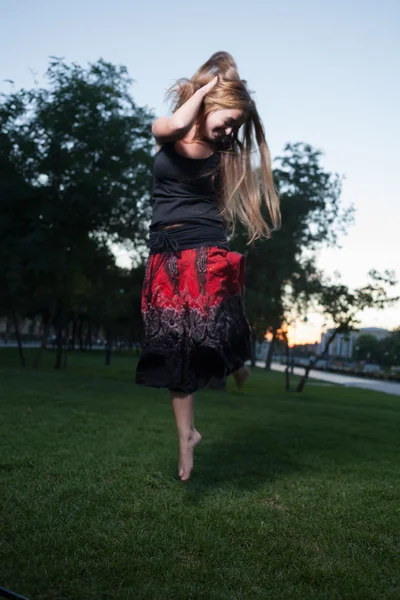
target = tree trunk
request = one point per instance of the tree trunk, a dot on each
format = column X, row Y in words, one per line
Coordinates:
column 45, row 335
column 287, row 370
column 89, row 336
column 108, row 346
column 73, row 334
column 66, row 345
column 271, row 347
column 19, row 342
column 253, row 352
column 60, row 335
column 80, row 335
column 304, row 379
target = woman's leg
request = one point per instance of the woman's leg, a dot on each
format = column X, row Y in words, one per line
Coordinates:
column 241, row 375
column 189, row 437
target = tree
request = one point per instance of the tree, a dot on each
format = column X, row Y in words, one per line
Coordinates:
column 367, row 348
column 76, row 159
column 282, row 269
column 343, row 306
column 17, row 197
column 389, row 349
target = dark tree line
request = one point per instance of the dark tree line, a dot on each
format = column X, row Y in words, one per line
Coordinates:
column 75, row 176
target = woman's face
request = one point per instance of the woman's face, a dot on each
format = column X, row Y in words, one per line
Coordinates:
column 221, row 123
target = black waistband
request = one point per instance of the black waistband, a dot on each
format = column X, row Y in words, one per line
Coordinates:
column 187, row 236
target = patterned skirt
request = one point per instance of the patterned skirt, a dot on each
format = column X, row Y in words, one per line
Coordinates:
column 194, row 319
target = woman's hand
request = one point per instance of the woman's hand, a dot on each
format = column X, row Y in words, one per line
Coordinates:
column 203, row 91
column 176, row 127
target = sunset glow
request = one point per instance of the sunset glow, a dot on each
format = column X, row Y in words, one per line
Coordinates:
column 301, row 332
column 304, row 333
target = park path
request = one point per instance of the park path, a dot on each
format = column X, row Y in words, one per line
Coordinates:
column 388, row 387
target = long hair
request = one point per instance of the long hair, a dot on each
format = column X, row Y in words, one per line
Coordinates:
column 246, row 188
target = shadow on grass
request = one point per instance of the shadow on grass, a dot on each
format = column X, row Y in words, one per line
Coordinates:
column 324, row 439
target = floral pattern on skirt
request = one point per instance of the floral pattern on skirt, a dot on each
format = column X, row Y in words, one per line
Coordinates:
column 194, row 318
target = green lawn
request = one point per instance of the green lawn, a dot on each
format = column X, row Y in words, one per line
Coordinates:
column 293, row 496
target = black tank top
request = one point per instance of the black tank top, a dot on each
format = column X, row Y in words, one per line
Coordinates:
column 184, row 189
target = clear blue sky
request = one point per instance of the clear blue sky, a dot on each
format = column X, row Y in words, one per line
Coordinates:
column 323, row 72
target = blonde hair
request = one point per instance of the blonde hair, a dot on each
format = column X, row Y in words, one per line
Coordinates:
column 242, row 187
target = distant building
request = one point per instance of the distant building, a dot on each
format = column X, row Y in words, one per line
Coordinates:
column 261, row 349
column 344, row 343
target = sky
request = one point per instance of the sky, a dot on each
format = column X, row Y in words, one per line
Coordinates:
column 325, row 73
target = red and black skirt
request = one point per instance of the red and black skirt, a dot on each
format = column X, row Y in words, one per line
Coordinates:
column 194, row 319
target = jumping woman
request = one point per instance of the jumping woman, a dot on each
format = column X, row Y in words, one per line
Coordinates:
column 205, row 180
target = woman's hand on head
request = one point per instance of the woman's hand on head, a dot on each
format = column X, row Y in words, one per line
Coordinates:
column 176, row 127
column 208, row 87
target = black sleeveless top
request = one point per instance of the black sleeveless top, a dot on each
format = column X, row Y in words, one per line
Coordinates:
column 184, row 189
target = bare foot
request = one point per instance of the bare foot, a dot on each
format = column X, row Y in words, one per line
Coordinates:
column 186, row 454
column 241, row 375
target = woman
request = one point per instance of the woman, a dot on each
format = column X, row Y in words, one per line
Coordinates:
column 193, row 292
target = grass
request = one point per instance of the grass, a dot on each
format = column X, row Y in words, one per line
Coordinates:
column 293, row 496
